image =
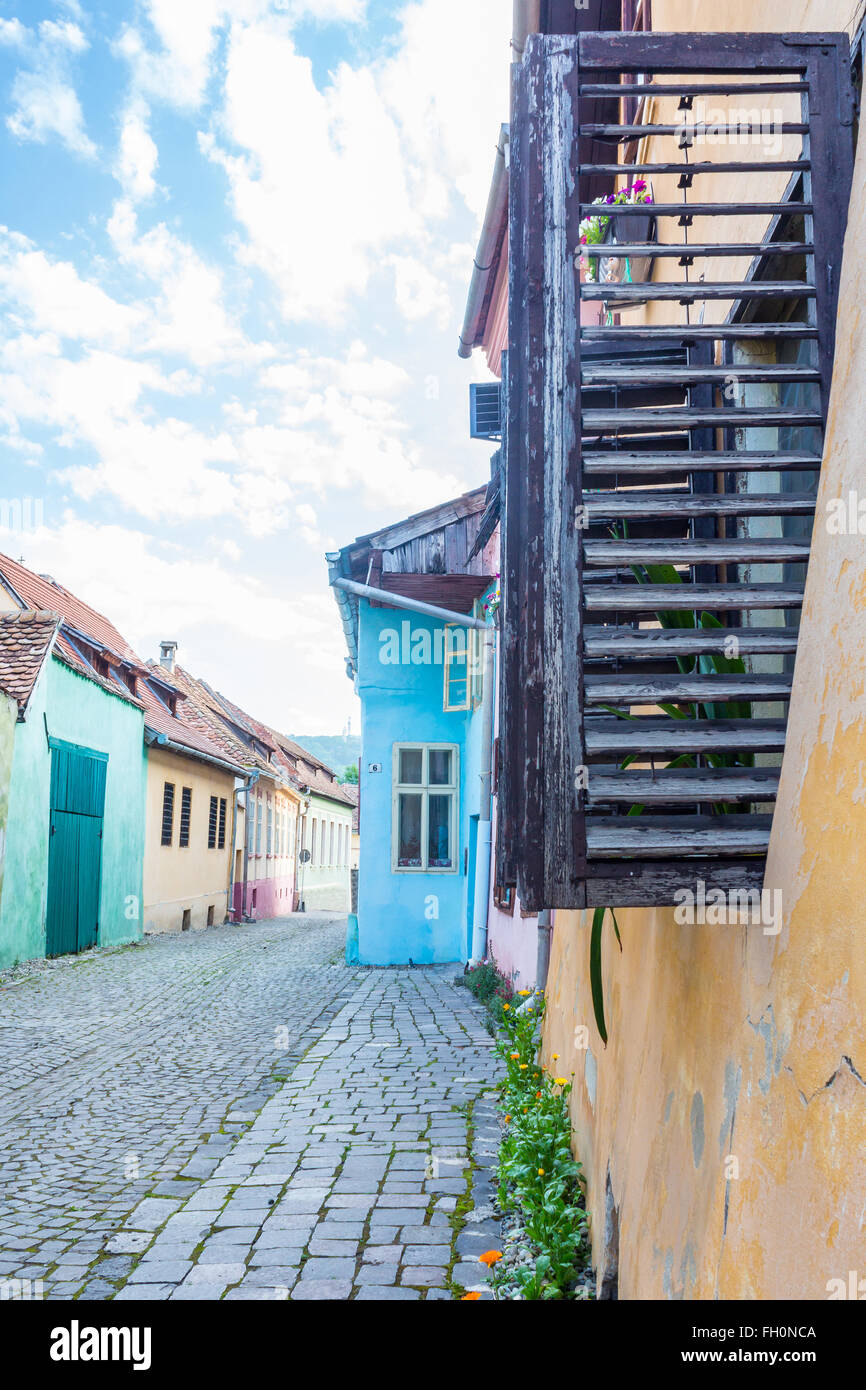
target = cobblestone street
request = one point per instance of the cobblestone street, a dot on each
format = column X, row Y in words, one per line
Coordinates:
column 235, row 1113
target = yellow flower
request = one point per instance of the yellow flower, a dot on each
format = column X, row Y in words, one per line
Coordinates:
column 541, row 1172
column 523, row 1066
column 561, row 1080
column 523, row 992
column 490, row 1257
column 506, row 1006
column 529, row 1009
column 470, row 1297
column 556, row 1056
column 508, row 1119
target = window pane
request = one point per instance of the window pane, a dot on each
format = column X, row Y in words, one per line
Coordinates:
column 440, row 767
column 411, row 762
column 439, row 832
column 409, row 831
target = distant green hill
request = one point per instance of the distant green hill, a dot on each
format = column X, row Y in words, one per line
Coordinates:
column 336, row 750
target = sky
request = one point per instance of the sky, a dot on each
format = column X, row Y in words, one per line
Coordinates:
column 236, row 238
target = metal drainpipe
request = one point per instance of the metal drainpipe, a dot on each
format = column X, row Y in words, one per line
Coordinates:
column 254, row 777
column 414, row 605
column 484, row 837
column 231, row 897
column 542, row 962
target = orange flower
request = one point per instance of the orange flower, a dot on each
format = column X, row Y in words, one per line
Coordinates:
column 470, row 1297
column 538, row 1095
column 508, row 1119
column 514, row 1056
column 506, row 1006
column 490, row 1257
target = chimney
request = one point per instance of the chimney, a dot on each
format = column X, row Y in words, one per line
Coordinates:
column 167, row 654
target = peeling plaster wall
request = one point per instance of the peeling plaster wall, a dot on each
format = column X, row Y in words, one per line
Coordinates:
column 723, row 1130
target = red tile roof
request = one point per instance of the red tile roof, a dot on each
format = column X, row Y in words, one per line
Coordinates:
column 25, row 638
column 42, row 591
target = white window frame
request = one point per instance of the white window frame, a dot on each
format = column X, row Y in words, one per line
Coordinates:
column 424, row 789
column 473, row 664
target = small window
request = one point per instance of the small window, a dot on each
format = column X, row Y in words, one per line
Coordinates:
column 259, row 812
column 313, row 843
column 333, row 835
column 167, row 812
column 185, row 813
column 186, row 919
column 221, row 833
column 212, row 823
column 425, row 809
column 457, row 682
column 270, row 831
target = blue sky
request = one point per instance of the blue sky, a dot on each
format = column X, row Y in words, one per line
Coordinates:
column 235, row 243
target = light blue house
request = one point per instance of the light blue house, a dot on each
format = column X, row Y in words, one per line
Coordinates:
column 425, row 682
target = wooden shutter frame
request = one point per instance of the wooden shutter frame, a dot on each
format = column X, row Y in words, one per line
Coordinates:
column 542, row 829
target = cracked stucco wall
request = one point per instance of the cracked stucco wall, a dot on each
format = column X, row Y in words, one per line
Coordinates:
column 723, row 1130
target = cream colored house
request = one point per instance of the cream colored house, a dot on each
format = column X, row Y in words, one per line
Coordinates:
column 189, row 826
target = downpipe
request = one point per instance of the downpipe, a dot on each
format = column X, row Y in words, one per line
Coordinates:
column 484, row 840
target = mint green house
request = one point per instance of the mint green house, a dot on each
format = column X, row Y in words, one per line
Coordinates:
column 72, row 790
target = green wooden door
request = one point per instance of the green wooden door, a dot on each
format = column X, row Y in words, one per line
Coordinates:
column 75, row 847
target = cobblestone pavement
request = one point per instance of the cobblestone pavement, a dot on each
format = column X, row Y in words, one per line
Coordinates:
column 235, row 1113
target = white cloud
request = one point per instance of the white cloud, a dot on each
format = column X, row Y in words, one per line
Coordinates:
column 63, row 35
column 12, row 32
column 138, row 156
column 44, row 100
column 53, row 296
column 329, row 182
column 188, row 313
column 45, row 105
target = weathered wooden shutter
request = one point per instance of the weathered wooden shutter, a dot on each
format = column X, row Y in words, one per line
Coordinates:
column 621, row 446
column 77, row 805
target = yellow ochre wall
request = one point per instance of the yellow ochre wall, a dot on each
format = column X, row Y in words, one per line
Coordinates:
column 731, row 1050
column 195, row 877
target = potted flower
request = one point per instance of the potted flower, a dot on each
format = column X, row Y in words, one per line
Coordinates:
column 605, row 228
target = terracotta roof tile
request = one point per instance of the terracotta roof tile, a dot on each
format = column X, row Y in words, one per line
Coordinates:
column 25, row 638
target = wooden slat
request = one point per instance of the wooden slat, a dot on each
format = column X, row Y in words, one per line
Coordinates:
column 685, row 333
column 738, row 550
column 655, row 642
column 627, row 690
column 653, row 882
column 685, row 598
column 691, row 132
column 707, row 53
column 723, row 417
column 668, row 786
column 649, row 836
column 749, row 461
column 673, row 736
column 705, row 209
column 736, row 166
column 689, row 292
column 616, row 251
column 612, row 373
column 654, row 503
column 677, row 89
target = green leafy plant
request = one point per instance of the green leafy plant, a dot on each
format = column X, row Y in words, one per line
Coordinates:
column 538, row 1175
